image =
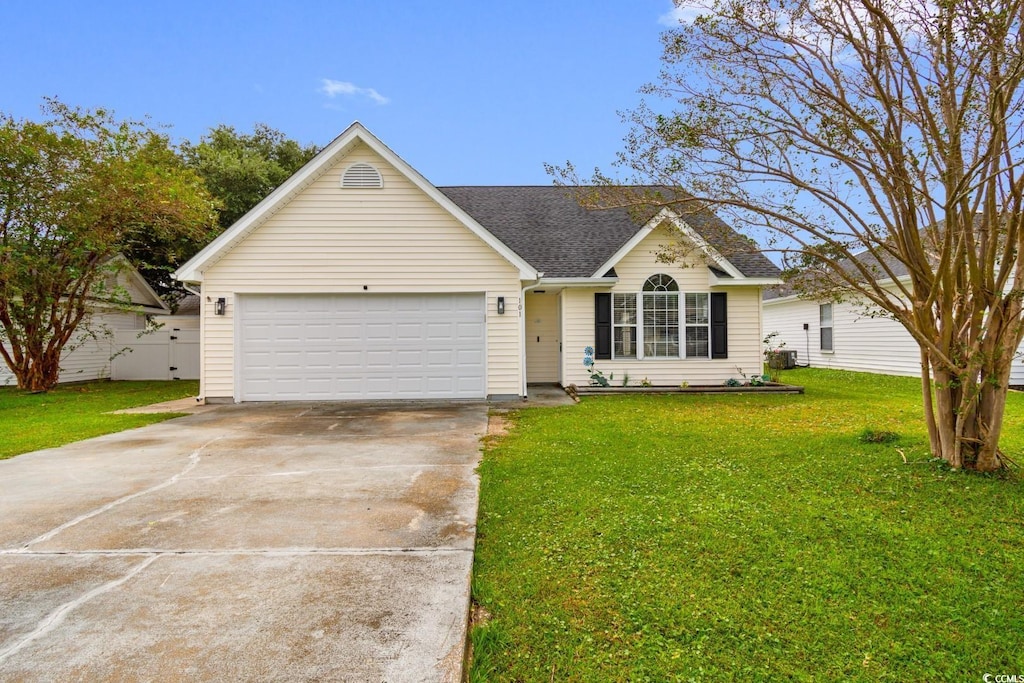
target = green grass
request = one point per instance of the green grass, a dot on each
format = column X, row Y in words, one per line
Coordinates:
column 73, row 412
column 751, row 537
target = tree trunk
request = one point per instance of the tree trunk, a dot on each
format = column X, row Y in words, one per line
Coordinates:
column 38, row 373
column 946, row 404
column 929, row 404
column 968, row 417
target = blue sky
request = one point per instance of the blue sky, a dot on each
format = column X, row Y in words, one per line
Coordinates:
column 467, row 92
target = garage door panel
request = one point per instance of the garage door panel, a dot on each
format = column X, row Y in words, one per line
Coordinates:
column 344, row 358
column 319, row 332
column 348, row 332
column 439, row 330
column 406, row 359
column 462, row 384
column 409, row 332
column 440, row 357
column 322, row 347
column 378, row 360
column 348, row 386
column 440, row 385
column 470, row 331
column 469, row 357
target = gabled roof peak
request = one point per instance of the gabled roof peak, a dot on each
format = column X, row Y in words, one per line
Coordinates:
column 314, row 168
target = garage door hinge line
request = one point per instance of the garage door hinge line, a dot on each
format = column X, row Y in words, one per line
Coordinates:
column 54, row 618
column 193, row 460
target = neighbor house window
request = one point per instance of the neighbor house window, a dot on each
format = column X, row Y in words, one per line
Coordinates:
column 624, row 326
column 661, row 317
column 825, row 325
column 698, row 325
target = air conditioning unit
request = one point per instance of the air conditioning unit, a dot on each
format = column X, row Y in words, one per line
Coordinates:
column 788, row 358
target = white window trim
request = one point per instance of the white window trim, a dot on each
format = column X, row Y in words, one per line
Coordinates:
column 831, row 326
column 639, row 328
column 637, row 331
column 683, row 326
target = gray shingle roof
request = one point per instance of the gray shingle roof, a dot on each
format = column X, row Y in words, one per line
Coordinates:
column 804, row 281
column 549, row 229
column 188, row 305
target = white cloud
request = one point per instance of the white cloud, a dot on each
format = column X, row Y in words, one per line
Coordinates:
column 333, row 89
column 681, row 14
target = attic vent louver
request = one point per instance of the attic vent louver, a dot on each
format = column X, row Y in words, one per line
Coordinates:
column 361, row 176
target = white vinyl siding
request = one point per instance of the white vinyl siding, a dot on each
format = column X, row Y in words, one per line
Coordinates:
column 861, row 342
column 744, row 311
column 329, row 240
column 87, row 358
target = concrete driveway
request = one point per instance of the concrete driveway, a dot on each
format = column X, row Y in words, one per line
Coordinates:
column 260, row 542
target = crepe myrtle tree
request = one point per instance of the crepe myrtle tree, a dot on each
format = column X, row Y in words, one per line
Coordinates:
column 76, row 190
column 877, row 144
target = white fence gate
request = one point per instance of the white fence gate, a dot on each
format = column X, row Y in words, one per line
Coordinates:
column 161, row 354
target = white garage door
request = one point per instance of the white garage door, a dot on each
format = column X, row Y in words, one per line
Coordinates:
column 369, row 346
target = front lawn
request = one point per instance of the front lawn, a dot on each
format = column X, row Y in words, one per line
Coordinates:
column 73, row 412
column 753, row 537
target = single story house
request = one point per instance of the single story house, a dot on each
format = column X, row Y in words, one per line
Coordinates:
column 359, row 279
column 849, row 335
column 90, row 354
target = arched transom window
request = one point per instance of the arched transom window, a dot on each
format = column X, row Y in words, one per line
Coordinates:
column 661, row 283
column 661, row 317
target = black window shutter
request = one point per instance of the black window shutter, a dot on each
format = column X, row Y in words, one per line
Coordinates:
column 719, row 326
column 603, row 326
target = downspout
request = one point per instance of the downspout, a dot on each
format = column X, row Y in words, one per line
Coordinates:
column 522, row 332
column 201, row 400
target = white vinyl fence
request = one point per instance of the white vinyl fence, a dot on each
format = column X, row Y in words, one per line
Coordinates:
column 161, row 354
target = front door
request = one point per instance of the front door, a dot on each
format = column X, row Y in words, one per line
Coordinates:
column 543, row 343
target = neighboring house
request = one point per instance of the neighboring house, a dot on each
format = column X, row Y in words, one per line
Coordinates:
column 88, row 357
column 358, row 279
column 850, row 335
column 185, row 316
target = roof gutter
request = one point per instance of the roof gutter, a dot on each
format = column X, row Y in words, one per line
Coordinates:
column 744, row 282
column 809, row 296
column 576, row 281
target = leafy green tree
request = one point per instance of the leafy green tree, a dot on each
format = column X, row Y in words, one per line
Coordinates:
column 241, row 169
column 880, row 143
column 76, row 190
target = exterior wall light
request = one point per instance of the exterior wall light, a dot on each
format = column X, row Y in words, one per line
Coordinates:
column 220, row 307
column 501, row 305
